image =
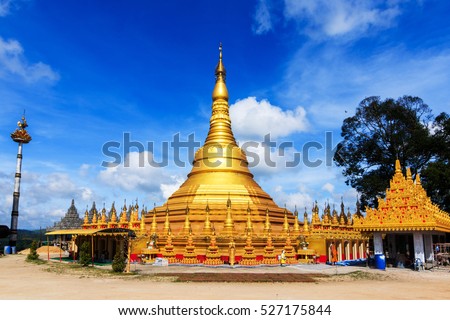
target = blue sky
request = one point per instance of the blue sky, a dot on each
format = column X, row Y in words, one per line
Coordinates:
column 86, row 72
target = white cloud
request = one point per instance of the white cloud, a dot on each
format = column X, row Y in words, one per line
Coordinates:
column 328, row 187
column 168, row 189
column 300, row 199
column 252, row 118
column 265, row 161
column 13, row 62
column 84, row 170
column 136, row 174
column 351, row 18
column 262, row 19
column 5, row 7
column 44, row 198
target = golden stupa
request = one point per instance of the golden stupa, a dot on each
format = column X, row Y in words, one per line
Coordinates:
column 220, row 214
column 220, row 191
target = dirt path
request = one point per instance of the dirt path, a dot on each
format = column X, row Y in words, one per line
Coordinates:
column 21, row 280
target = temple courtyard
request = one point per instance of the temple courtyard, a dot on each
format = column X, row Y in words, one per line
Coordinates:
column 20, row 280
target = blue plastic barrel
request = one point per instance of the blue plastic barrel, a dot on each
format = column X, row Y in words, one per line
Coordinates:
column 13, row 250
column 380, row 261
column 7, row 250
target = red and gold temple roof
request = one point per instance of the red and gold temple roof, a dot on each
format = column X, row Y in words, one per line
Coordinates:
column 405, row 208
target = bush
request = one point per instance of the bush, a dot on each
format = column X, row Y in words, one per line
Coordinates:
column 85, row 255
column 118, row 264
column 33, row 255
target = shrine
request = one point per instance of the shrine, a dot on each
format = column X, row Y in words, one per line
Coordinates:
column 220, row 215
column 406, row 223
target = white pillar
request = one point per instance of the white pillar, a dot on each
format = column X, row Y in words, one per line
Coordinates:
column 418, row 246
column 428, row 240
column 378, row 243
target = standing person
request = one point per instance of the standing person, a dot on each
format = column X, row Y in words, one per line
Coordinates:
column 282, row 258
column 333, row 254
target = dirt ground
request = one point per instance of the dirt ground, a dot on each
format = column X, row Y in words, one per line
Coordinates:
column 20, row 280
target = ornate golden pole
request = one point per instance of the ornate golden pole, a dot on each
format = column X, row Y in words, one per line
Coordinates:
column 20, row 136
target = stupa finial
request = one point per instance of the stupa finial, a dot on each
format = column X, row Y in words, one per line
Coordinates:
column 220, row 90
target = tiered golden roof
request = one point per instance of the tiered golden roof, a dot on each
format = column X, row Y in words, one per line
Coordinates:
column 405, row 208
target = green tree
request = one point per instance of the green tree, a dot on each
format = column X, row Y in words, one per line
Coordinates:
column 119, row 264
column 436, row 176
column 85, row 254
column 33, row 255
column 380, row 132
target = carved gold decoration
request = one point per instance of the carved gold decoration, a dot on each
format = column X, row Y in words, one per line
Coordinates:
column 405, row 208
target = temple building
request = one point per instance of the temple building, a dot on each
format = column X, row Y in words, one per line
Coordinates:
column 406, row 223
column 220, row 215
column 71, row 220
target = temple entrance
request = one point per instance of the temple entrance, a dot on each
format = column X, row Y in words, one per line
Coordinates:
column 399, row 249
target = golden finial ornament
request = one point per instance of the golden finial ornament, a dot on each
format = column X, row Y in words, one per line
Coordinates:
column 21, row 135
column 220, row 91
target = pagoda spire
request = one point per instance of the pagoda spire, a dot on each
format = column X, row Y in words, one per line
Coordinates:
column 228, row 226
column 187, row 222
column 220, row 91
column 418, row 183
column 286, row 222
column 305, row 222
column 113, row 213
column 220, row 123
column 166, row 229
column 86, row 216
column 296, row 225
column 154, row 228
column 409, row 175
column 207, row 227
column 398, row 169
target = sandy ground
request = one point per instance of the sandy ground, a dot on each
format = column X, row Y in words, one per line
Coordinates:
column 20, row 280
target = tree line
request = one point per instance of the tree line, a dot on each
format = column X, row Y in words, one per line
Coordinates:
column 382, row 131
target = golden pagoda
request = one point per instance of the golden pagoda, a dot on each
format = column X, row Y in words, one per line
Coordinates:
column 221, row 215
column 221, row 182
